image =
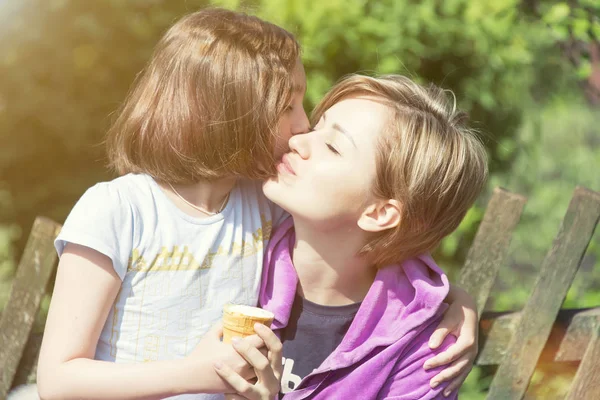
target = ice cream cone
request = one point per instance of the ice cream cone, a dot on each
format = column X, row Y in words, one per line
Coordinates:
column 239, row 320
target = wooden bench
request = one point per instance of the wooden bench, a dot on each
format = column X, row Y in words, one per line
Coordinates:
column 18, row 347
column 512, row 341
column 515, row 341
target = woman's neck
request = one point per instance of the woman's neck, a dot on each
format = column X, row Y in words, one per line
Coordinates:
column 209, row 196
column 329, row 270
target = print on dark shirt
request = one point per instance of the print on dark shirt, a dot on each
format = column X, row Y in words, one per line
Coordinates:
column 312, row 334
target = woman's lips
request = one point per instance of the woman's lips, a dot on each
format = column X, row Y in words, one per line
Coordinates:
column 285, row 166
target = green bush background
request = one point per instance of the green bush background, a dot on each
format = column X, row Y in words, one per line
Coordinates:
column 65, row 66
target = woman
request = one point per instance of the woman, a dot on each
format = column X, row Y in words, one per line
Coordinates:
column 389, row 170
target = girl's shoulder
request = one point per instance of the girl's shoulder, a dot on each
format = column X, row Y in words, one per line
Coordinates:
column 131, row 186
column 119, row 199
column 134, row 191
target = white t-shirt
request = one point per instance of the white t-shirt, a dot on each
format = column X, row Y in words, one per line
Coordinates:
column 177, row 271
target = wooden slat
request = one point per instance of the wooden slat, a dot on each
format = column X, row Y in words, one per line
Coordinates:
column 34, row 271
column 586, row 384
column 555, row 277
column 27, row 369
column 490, row 247
column 569, row 338
column 578, row 335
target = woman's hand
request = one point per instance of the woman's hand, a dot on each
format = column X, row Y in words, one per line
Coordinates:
column 460, row 320
column 268, row 369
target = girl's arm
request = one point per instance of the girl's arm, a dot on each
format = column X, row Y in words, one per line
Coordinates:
column 460, row 320
column 409, row 380
column 85, row 289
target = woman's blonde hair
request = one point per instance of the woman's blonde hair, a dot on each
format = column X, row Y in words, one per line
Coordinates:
column 428, row 160
column 207, row 104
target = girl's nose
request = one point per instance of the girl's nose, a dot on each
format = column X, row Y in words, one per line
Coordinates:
column 301, row 123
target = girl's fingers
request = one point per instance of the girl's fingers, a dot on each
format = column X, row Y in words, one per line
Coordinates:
column 255, row 341
column 232, row 396
column 457, row 369
column 455, row 384
column 260, row 363
column 239, row 384
column 250, row 354
column 439, row 335
column 462, row 348
column 216, row 330
column 274, row 345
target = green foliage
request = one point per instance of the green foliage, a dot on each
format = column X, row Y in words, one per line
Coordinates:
column 8, row 234
column 557, row 149
column 575, row 26
column 484, row 51
column 475, row 385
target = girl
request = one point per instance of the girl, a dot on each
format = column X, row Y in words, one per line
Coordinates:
column 148, row 260
column 390, row 169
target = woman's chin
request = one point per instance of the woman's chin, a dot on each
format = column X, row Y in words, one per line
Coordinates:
column 274, row 190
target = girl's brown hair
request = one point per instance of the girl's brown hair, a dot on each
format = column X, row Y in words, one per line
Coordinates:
column 428, row 160
column 207, row 104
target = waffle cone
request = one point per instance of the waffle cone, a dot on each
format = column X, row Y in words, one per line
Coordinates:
column 239, row 320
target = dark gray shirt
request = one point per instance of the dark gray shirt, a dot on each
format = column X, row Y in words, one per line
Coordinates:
column 312, row 334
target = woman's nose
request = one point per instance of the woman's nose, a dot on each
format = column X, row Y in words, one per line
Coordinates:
column 300, row 144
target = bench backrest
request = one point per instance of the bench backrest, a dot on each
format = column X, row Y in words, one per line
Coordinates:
column 29, row 286
column 515, row 341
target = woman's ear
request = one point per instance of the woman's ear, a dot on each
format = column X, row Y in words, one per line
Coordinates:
column 381, row 216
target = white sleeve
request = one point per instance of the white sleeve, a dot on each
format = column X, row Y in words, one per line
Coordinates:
column 103, row 221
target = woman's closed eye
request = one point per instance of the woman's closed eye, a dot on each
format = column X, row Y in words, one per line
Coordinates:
column 332, row 149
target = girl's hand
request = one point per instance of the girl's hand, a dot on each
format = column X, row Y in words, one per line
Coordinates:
column 268, row 369
column 212, row 350
column 460, row 320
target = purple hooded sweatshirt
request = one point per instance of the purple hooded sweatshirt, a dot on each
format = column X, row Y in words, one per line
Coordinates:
column 382, row 354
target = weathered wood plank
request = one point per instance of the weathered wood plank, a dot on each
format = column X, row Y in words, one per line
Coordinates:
column 34, row 271
column 490, row 247
column 555, row 277
column 27, row 369
column 569, row 338
column 578, row 335
column 586, row 384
